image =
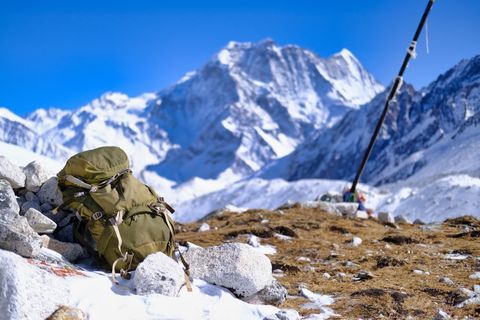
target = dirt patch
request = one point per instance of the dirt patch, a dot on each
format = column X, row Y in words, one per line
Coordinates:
column 395, row 292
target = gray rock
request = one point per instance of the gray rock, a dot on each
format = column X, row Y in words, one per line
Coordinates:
column 39, row 222
column 236, row 266
column 286, row 314
column 158, row 273
column 70, row 251
column 50, row 193
column 17, row 236
column 363, row 275
column 35, row 175
column 12, row 173
column 402, row 219
column 386, row 217
column 46, row 207
column 273, row 294
column 30, row 205
column 28, row 292
column 8, row 201
column 476, row 288
column 30, row 196
column 447, row 281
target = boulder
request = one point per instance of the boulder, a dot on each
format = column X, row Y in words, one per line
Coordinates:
column 17, row 236
column 236, row 266
column 36, row 175
column 361, row 214
column 273, row 294
column 30, row 205
column 70, row 251
column 50, row 193
column 285, row 314
column 8, row 201
column 28, row 292
column 386, row 217
column 39, row 222
column 158, row 273
column 10, row 172
column 342, row 208
column 30, row 196
column 68, row 313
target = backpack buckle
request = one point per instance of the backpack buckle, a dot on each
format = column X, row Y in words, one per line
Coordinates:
column 97, row 215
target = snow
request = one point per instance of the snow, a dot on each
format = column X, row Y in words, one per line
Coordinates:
column 21, row 157
column 96, row 295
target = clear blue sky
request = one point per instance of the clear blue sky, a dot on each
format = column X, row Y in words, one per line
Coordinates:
column 66, row 53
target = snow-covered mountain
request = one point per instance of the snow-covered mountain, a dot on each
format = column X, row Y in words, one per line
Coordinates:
column 427, row 135
column 250, row 104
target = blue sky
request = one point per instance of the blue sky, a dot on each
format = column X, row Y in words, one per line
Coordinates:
column 66, row 53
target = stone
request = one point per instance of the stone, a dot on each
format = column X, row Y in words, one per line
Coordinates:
column 441, row 315
column 476, row 288
column 46, row 207
column 68, row 313
column 158, row 273
column 39, row 222
column 285, row 314
column 17, row 236
column 330, row 196
column 386, row 217
column 475, row 276
column 343, row 208
column 362, row 276
column 50, row 193
column 204, row 227
column 326, row 275
column 69, row 250
column 446, row 280
column 236, row 266
column 30, row 196
column 27, row 291
column 361, row 214
column 30, row 205
column 12, row 173
column 8, row 201
column 273, row 294
column 35, row 175
column 402, row 219
column 356, row 241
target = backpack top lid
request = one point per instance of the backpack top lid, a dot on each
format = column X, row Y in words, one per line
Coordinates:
column 96, row 165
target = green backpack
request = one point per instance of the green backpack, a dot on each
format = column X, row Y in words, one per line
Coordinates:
column 125, row 218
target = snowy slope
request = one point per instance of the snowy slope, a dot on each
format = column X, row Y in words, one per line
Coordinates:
column 426, row 134
column 252, row 103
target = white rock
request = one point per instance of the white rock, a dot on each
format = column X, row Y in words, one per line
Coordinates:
column 326, row 276
column 475, row 276
column 361, row 214
column 253, row 241
column 35, row 175
column 10, row 172
column 402, row 219
column 356, row 241
column 441, row 315
column 158, row 273
column 447, row 281
column 39, row 222
column 17, row 236
column 204, row 227
column 476, row 288
column 343, row 208
column 50, row 193
column 386, row 217
column 27, row 291
column 285, row 314
column 8, row 201
column 235, row 266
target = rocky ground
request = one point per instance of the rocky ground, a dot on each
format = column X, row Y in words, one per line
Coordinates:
column 372, row 269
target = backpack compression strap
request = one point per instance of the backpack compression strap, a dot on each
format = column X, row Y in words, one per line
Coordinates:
column 92, row 187
column 126, row 257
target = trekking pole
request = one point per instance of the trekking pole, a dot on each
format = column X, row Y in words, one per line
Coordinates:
column 411, row 53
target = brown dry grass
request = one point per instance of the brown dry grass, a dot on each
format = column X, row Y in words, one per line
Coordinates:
column 395, row 292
